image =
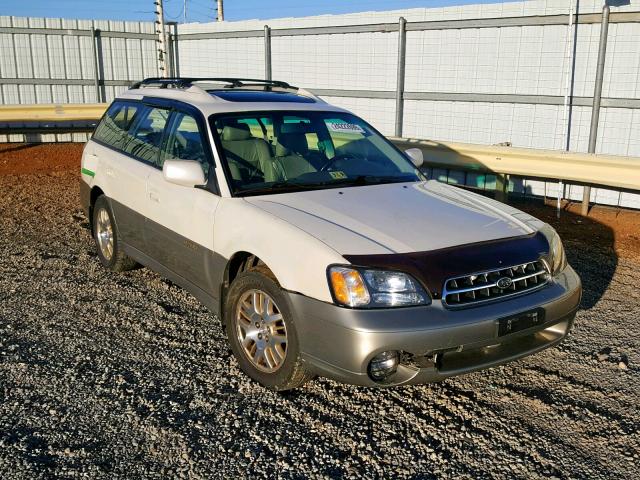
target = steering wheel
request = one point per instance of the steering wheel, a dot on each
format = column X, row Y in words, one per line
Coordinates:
column 333, row 160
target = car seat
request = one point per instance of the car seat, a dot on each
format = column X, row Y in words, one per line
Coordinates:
column 249, row 153
column 291, row 152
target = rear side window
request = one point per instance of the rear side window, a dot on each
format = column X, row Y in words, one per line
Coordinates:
column 144, row 138
column 115, row 124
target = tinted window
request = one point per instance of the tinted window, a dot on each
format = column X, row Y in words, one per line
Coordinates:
column 253, row 96
column 115, row 123
column 144, row 138
column 185, row 141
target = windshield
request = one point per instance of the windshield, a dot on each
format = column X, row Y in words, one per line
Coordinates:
column 272, row 152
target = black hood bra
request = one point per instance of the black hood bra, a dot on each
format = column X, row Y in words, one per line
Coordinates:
column 433, row 268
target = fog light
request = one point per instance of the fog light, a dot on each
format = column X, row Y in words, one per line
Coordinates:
column 383, row 365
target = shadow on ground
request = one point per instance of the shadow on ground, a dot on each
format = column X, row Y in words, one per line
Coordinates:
column 589, row 243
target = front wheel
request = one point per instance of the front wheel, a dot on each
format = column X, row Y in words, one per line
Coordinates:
column 261, row 331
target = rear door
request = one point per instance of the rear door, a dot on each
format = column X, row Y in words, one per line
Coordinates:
column 122, row 177
column 179, row 228
column 140, row 154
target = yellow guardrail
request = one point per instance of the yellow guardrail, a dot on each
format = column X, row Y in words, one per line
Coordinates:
column 51, row 112
column 606, row 170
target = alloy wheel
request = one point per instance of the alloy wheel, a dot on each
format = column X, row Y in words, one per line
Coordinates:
column 104, row 233
column 261, row 331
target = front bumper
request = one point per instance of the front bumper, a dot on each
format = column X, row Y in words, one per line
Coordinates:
column 435, row 342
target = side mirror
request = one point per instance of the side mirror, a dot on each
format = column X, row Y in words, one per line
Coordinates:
column 415, row 155
column 187, row 173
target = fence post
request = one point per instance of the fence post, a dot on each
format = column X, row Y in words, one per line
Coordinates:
column 597, row 96
column 176, row 54
column 170, row 66
column 96, row 63
column 267, row 52
column 169, row 62
column 502, row 187
column 172, row 49
column 402, row 51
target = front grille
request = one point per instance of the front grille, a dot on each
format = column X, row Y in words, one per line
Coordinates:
column 493, row 285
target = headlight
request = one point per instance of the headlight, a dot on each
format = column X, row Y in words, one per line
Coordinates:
column 375, row 288
column 557, row 259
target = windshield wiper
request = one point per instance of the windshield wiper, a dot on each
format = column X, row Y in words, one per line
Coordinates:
column 289, row 186
column 277, row 187
column 368, row 180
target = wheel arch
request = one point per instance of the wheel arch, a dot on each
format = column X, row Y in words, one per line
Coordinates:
column 95, row 193
column 297, row 258
column 239, row 262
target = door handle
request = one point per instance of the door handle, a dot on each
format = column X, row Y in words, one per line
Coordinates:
column 154, row 197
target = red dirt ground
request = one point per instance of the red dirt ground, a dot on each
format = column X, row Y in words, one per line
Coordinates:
column 610, row 227
column 21, row 158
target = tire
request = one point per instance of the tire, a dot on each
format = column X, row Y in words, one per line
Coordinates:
column 290, row 373
column 107, row 238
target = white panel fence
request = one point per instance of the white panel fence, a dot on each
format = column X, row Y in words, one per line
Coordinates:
column 51, row 60
column 490, row 73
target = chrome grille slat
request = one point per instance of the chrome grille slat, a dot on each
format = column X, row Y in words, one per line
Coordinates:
column 484, row 286
column 494, row 284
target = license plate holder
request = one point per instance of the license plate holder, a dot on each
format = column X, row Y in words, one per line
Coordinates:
column 520, row 321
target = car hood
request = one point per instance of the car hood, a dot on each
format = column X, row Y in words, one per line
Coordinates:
column 396, row 218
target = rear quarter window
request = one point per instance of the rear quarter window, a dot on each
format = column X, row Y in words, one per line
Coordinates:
column 112, row 128
column 144, row 138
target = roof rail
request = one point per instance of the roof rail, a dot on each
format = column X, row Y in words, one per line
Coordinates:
column 186, row 82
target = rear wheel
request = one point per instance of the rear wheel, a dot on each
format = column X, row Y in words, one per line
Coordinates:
column 107, row 238
column 261, row 331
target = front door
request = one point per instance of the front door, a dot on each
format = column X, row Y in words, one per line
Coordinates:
column 179, row 227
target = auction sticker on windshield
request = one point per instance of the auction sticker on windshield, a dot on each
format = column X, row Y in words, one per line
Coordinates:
column 343, row 127
column 338, row 175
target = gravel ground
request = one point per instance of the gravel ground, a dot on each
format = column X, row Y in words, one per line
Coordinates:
column 127, row 376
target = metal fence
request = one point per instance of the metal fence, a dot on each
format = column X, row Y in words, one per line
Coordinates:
column 402, row 27
column 68, row 61
column 71, row 61
column 550, row 109
column 52, row 60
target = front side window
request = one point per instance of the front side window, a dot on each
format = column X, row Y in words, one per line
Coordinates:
column 185, row 142
column 144, row 138
column 115, row 123
column 278, row 151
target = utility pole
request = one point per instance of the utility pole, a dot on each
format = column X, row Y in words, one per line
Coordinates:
column 220, row 11
column 162, row 39
column 184, row 11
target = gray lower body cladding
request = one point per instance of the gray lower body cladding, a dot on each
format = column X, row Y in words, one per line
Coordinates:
column 435, row 342
column 85, row 197
column 195, row 268
column 206, row 297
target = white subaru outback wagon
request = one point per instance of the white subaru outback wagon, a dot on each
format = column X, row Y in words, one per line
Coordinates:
column 322, row 247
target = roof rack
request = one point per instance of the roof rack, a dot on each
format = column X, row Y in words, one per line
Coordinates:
column 186, row 82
